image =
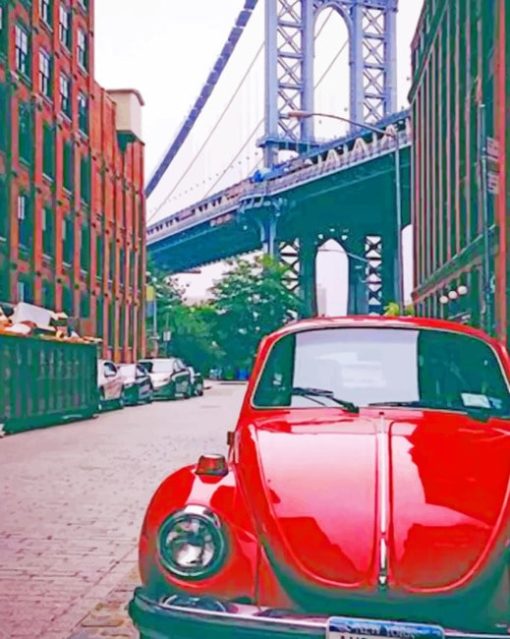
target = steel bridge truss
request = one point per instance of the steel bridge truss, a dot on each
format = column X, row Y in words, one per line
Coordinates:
column 290, row 41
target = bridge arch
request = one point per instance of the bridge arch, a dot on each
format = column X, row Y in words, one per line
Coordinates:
column 331, row 70
column 289, row 65
column 338, row 7
column 332, row 278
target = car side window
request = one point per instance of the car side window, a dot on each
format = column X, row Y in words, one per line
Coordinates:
column 275, row 385
column 110, row 370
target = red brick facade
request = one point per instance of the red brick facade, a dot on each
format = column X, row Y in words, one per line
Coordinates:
column 460, row 61
column 72, row 210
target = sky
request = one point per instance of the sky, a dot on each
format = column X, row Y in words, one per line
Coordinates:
column 166, row 51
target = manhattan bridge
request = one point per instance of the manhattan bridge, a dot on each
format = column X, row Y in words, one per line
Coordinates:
column 261, row 177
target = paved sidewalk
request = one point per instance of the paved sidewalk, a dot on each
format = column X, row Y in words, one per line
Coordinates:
column 109, row 617
column 72, row 499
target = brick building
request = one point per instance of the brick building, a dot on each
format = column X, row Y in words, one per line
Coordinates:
column 72, row 209
column 460, row 59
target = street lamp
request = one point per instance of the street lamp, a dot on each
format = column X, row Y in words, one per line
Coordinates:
column 300, row 115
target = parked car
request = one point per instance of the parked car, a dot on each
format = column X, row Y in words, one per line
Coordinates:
column 111, row 385
column 137, row 384
column 170, row 377
column 197, row 382
column 366, row 494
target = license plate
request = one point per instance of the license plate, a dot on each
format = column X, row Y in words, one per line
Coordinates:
column 349, row 628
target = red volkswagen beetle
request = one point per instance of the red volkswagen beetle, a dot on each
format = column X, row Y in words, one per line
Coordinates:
column 366, row 494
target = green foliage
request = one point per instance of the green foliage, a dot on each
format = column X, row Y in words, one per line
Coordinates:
column 192, row 336
column 393, row 310
column 249, row 302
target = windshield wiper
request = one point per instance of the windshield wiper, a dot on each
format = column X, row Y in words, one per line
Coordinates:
column 327, row 394
column 479, row 413
column 413, row 404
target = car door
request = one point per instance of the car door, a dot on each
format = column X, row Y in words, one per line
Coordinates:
column 144, row 380
column 113, row 384
column 181, row 376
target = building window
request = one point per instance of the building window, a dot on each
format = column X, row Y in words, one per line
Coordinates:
column 4, row 198
column 65, row 94
column 45, row 73
column 122, row 328
column 68, row 166
column 99, row 256
column 3, row 117
column 25, row 230
column 22, row 53
column 83, row 113
column 99, row 316
column 25, row 133
column 111, row 325
column 122, row 266
column 131, row 326
column 111, row 273
column 48, row 231
column 64, row 27
column 82, row 49
column 25, row 290
column 4, row 28
column 84, row 4
column 48, row 151
column 45, row 12
column 85, row 248
column 132, row 269
column 67, row 301
column 84, row 305
column 48, row 295
column 67, row 240
column 85, row 179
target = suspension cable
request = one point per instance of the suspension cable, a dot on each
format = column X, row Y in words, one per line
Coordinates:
column 317, row 84
column 229, row 165
column 211, row 132
column 252, row 134
column 330, row 65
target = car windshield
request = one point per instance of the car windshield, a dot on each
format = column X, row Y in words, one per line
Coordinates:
column 366, row 366
column 158, row 366
column 128, row 371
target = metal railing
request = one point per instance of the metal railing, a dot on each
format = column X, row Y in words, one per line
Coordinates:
column 327, row 159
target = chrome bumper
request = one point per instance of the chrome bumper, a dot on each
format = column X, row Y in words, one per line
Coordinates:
column 158, row 620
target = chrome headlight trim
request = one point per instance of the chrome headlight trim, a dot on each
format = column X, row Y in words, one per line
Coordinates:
column 212, row 524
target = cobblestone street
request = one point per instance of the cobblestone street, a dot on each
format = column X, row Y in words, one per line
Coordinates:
column 72, row 500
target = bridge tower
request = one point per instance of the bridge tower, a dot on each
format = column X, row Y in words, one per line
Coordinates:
column 289, row 74
column 290, row 36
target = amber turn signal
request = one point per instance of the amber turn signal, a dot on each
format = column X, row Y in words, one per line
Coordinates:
column 212, row 465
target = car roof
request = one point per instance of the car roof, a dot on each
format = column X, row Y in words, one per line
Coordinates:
column 375, row 321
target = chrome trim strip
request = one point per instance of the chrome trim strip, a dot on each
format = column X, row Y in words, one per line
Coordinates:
column 383, row 498
column 256, row 621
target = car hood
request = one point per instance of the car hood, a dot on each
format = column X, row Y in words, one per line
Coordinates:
column 418, row 500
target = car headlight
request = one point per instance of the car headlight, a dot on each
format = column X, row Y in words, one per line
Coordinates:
column 191, row 543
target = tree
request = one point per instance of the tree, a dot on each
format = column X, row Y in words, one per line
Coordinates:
column 168, row 297
column 190, row 326
column 192, row 336
column 393, row 310
column 250, row 302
